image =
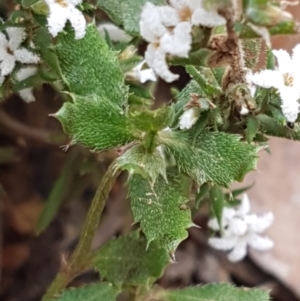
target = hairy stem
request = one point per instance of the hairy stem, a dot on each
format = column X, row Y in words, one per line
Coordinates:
column 79, row 259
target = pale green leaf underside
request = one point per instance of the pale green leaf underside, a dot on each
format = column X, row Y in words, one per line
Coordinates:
column 215, row 292
column 96, row 123
column 138, row 160
column 125, row 261
column 89, row 67
column 212, row 156
column 93, row 292
column 160, row 210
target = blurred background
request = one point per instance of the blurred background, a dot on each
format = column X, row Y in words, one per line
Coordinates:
column 34, row 170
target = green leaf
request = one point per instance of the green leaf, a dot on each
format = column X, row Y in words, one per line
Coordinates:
column 200, row 196
column 271, row 127
column 138, row 160
column 89, row 66
column 95, row 123
column 92, row 292
column 28, row 3
column 160, row 210
column 252, row 128
column 126, row 261
column 217, row 200
column 113, row 9
column 131, row 13
column 211, row 156
column 206, row 80
column 156, row 120
column 126, row 13
column 214, row 292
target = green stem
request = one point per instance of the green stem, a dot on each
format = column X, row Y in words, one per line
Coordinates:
column 80, row 257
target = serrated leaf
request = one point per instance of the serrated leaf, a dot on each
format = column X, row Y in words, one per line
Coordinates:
column 211, row 156
column 88, row 66
column 92, row 292
column 126, row 261
column 160, row 210
column 271, row 127
column 95, row 123
column 155, row 120
column 138, row 160
column 252, row 128
column 214, row 292
column 206, row 80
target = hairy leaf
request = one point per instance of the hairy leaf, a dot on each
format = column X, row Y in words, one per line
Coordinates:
column 126, row 13
column 214, row 292
column 160, row 210
column 148, row 164
column 252, row 128
column 89, row 66
column 92, row 292
column 211, row 156
column 217, row 203
column 95, row 123
column 126, row 261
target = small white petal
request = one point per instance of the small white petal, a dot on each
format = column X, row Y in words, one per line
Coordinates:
column 7, row 65
column 57, row 19
column 188, row 118
column 27, row 95
column 141, row 75
column 285, row 64
column 156, row 59
column 260, row 243
column 244, row 207
column 207, row 18
column 16, row 37
column 179, row 42
column 74, row 2
column 213, row 224
column 228, row 213
column 267, row 79
column 3, row 41
column 77, row 21
column 25, row 72
column 151, row 26
column 237, row 227
column 296, row 56
column 222, row 243
column 169, row 16
column 290, row 102
column 259, row 224
column 239, row 251
column 244, row 111
column 25, row 56
column 116, row 34
column 183, row 4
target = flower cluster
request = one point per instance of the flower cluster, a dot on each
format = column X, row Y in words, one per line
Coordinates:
column 285, row 78
column 11, row 52
column 241, row 229
column 60, row 11
column 168, row 31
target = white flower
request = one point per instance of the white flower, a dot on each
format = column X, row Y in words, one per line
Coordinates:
column 168, row 30
column 116, row 34
column 27, row 93
column 286, row 79
column 240, row 230
column 188, row 118
column 11, row 51
column 141, row 75
column 60, row 12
